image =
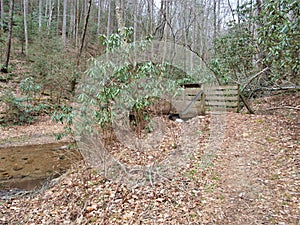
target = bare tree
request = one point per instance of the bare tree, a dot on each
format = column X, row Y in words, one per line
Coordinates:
column 1, row 14
column 40, row 13
column 51, row 5
column 162, row 20
column 135, row 20
column 58, row 17
column 84, row 30
column 99, row 17
column 215, row 19
column 10, row 28
column 108, row 18
column 238, row 13
column 150, row 15
column 120, row 19
column 77, row 19
column 72, row 26
column 25, row 7
column 64, row 25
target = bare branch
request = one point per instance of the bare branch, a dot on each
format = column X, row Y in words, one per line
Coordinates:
column 253, row 77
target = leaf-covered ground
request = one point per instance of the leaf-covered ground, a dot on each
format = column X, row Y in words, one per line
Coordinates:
column 253, row 179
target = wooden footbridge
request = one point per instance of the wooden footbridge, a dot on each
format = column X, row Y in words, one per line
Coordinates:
column 198, row 99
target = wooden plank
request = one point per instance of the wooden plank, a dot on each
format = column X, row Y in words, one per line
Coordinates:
column 220, row 92
column 219, row 109
column 222, row 98
column 187, row 98
column 192, row 91
column 225, row 87
column 213, row 103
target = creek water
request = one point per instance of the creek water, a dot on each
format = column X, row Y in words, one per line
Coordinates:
column 27, row 167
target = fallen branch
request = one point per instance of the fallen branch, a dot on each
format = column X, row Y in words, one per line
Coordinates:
column 286, row 88
column 283, row 107
column 253, row 77
column 251, row 111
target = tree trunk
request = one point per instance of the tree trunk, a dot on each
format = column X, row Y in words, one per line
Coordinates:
column 108, row 19
column 150, row 15
column 64, row 25
column 219, row 17
column 46, row 8
column 73, row 82
column 72, row 20
column 10, row 27
column 231, row 10
column 40, row 13
column 162, row 20
column 135, row 21
column 238, row 13
column 215, row 19
column 77, row 5
column 99, row 17
column 84, row 31
column 50, row 15
column 25, row 7
column 58, row 17
column 120, row 20
column 1, row 14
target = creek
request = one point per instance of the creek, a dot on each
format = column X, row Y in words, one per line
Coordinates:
column 28, row 167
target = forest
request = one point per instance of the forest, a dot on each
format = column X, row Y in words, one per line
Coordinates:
column 88, row 130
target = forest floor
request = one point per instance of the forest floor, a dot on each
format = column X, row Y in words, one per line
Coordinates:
column 254, row 178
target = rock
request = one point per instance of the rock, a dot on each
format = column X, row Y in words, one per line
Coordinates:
column 12, row 159
column 17, row 167
column 2, row 170
column 29, row 161
column 179, row 120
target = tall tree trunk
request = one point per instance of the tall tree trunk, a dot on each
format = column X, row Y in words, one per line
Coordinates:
column 99, row 17
column 162, row 20
column 150, row 15
column 1, row 14
column 50, row 15
column 64, row 25
column 238, row 11
column 108, row 19
column 58, row 17
column 73, row 82
column 120, row 20
column 40, row 13
column 46, row 8
column 231, row 10
column 77, row 22
column 215, row 19
column 72, row 21
column 84, row 31
column 10, row 27
column 25, row 7
column 219, row 17
column 135, row 21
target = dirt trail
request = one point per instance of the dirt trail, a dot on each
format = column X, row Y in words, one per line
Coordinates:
column 256, row 173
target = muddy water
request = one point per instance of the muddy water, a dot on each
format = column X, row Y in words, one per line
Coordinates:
column 26, row 167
